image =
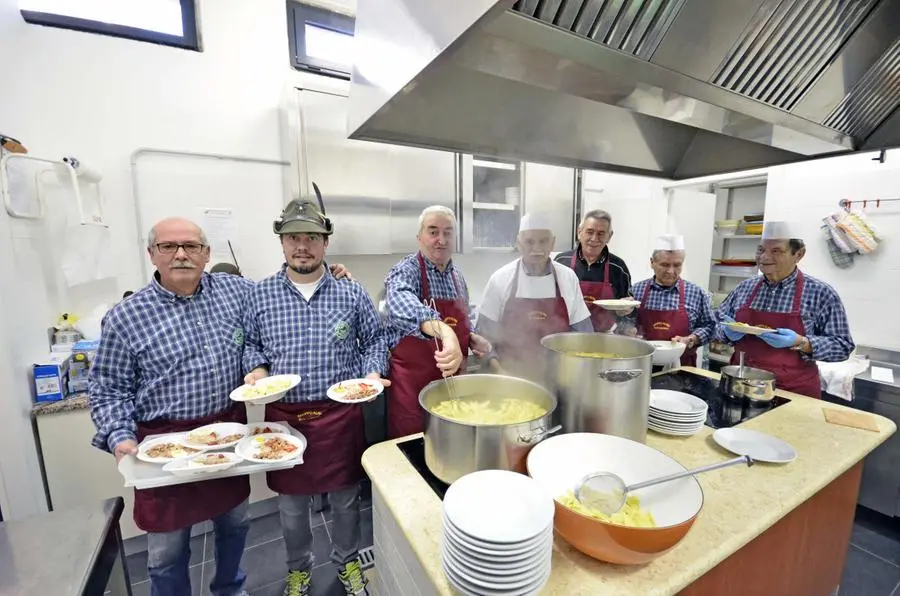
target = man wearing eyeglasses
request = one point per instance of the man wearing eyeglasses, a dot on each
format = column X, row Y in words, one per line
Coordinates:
column 168, row 358
column 304, row 321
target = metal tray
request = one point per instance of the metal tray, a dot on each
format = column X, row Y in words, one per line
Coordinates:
column 141, row 475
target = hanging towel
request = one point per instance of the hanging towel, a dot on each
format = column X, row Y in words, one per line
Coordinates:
column 836, row 378
column 840, row 258
column 837, row 236
column 858, row 232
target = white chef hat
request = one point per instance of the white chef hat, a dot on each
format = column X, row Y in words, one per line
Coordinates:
column 777, row 230
column 669, row 242
column 535, row 221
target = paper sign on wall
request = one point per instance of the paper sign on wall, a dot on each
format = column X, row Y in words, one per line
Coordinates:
column 220, row 227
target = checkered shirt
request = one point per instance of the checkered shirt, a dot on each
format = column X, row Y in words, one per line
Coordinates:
column 696, row 302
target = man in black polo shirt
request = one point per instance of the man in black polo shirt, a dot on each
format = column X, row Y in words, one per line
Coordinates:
column 603, row 275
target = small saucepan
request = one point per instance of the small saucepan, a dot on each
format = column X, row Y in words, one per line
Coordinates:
column 754, row 384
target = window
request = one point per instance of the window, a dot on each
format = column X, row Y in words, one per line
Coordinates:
column 166, row 22
column 321, row 41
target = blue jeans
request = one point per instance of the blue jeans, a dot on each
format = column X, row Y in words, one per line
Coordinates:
column 169, row 555
column 298, row 537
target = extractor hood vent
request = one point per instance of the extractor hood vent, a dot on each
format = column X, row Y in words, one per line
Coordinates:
column 872, row 100
column 787, row 45
column 632, row 26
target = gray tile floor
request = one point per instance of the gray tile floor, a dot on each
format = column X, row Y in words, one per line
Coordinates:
column 264, row 558
column 873, row 561
column 872, row 567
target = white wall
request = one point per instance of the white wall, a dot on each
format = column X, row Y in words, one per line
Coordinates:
column 805, row 193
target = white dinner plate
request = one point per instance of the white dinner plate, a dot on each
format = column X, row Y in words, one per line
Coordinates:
column 677, row 403
column 675, row 425
column 258, row 428
column 693, row 417
column 759, row 446
column 516, row 549
column 496, row 562
column 339, row 391
column 189, row 466
column 249, row 447
column 266, row 390
column 222, row 430
column 177, row 438
column 668, row 431
column 481, row 588
column 748, row 329
column 491, row 580
column 620, row 304
column 481, row 504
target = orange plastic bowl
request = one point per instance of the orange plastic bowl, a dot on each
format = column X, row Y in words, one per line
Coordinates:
column 559, row 463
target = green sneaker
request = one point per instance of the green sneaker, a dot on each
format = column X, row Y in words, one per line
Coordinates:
column 351, row 575
column 297, row 583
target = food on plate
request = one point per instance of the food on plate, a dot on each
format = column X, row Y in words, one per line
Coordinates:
column 472, row 410
column 212, row 438
column 263, row 388
column 355, row 391
column 630, row 514
column 746, row 326
column 211, row 459
column 261, row 430
column 170, row 450
column 596, row 354
column 275, row 448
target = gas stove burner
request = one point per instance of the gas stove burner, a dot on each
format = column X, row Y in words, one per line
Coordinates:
column 724, row 411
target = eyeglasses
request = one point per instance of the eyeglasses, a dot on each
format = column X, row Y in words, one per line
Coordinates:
column 170, row 248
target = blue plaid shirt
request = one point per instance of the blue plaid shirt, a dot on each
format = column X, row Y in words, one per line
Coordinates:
column 696, row 302
column 403, row 297
column 821, row 310
column 164, row 356
column 334, row 337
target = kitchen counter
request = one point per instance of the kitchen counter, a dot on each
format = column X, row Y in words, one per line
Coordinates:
column 741, row 506
column 67, row 553
column 78, row 401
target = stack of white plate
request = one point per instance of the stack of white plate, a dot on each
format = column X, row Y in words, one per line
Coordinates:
column 676, row 413
column 498, row 534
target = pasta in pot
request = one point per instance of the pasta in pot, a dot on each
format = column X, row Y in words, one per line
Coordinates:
column 630, row 514
column 507, row 410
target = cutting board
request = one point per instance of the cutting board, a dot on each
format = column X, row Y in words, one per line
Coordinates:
column 851, row 419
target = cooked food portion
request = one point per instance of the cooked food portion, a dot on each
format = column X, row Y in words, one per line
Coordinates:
column 211, row 459
column 212, row 438
column 476, row 410
column 261, row 430
column 596, row 354
column 170, row 450
column 276, row 448
column 355, row 391
column 630, row 514
column 263, row 388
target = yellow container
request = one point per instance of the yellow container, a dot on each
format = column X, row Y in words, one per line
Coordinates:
column 753, row 229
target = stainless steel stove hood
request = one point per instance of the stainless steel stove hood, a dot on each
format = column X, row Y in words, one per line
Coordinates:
column 670, row 88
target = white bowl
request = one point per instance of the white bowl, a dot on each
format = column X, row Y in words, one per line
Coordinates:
column 667, row 352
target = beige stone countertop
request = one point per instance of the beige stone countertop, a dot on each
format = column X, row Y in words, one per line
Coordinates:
column 739, row 503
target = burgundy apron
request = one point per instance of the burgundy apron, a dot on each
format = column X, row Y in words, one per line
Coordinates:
column 663, row 325
column 170, row 508
column 792, row 372
column 525, row 322
column 413, row 365
column 602, row 319
column 336, row 438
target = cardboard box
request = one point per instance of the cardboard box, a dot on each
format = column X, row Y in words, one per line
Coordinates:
column 51, row 376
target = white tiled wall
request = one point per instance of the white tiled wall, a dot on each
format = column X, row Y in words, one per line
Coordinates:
column 804, row 193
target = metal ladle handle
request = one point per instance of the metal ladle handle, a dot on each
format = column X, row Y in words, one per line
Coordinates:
column 731, row 462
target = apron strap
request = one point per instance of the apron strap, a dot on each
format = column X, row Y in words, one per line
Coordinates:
column 753, row 294
column 606, row 271
column 798, row 292
column 646, row 293
column 423, row 278
column 574, row 260
column 681, row 294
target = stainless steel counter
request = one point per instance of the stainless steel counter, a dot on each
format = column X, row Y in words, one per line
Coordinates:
column 75, row 552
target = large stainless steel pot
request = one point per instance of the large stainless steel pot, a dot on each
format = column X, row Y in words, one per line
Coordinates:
column 454, row 449
column 601, row 395
column 754, row 384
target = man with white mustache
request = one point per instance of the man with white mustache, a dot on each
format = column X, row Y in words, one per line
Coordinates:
column 303, row 321
column 528, row 299
column 168, row 358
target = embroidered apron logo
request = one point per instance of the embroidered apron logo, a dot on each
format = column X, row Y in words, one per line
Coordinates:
column 661, row 325
column 451, row 321
column 238, row 336
column 309, row 415
column 537, row 315
column 589, row 299
column 342, row 330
